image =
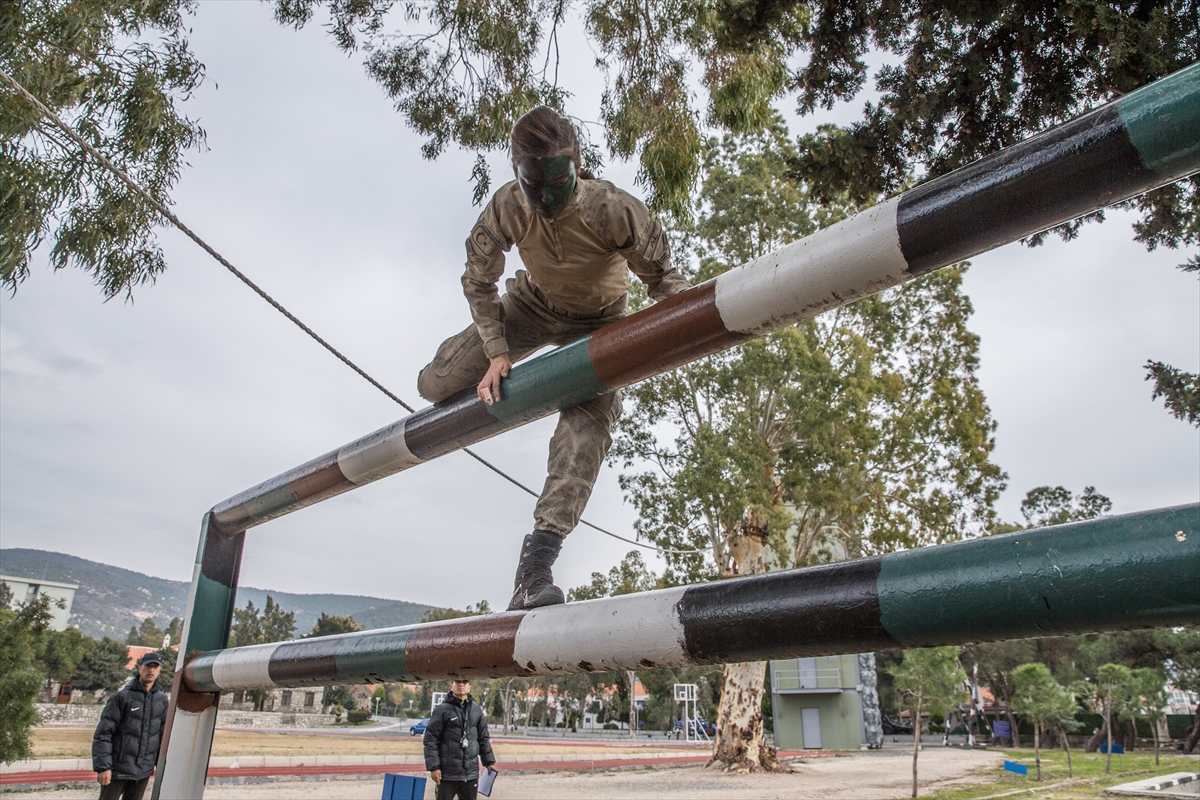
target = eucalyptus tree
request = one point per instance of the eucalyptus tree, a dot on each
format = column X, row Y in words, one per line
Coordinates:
column 117, row 72
column 859, row 432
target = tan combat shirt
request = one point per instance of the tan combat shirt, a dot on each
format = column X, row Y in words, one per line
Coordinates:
column 580, row 260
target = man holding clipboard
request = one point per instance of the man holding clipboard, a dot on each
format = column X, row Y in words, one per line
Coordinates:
column 455, row 742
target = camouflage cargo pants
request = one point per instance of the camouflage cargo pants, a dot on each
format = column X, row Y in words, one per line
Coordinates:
column 582, row 437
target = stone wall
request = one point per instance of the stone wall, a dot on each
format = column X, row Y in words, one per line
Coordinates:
column 70, row 713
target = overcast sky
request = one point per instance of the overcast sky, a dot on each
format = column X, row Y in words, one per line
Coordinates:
column 121, row 423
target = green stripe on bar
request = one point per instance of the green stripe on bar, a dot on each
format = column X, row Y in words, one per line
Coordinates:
column 208, row 628
column 1132, row 571
column 375, row 658
column 1163, row 119
column 545, row 384
column 201, row 669
column 270, row 503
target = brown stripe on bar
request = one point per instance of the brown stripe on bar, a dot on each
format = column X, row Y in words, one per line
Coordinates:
column 671, row 333
column 307, row 484
column 319, row 479
column 474, row 647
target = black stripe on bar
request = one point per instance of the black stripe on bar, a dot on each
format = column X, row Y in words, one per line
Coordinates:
column 826, row 610
column 449, row 425
column 304, row 662
column 222, row 559
column 1070, row 170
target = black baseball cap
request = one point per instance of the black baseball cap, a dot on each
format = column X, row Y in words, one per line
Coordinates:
column 151, row 658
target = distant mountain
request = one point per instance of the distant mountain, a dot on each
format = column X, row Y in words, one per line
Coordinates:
column 110, row 600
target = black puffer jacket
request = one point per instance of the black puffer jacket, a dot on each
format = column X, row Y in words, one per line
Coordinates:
column 129, row 732
column 444, row 736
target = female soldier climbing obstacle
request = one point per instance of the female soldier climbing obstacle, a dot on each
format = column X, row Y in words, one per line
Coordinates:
column 578, row 238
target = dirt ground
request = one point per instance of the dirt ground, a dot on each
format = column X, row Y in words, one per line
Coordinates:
column 859, row 776
column 75, row 742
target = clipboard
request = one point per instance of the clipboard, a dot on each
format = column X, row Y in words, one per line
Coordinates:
column 486, row 780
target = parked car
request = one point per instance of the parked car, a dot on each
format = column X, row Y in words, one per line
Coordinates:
column 418, row 728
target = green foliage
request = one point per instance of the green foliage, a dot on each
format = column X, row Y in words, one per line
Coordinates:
column 6, row 595
column 115, row 70
column 966, row 80
column 340, row 696
column 439, row 614
column 858, row 432
column 148, row 634
column 328, row 625
column 1180, row 390
column 103, row 667
column 60, row 653
column 1039, row 697
column 961, row 81
column 630, row 576
column 20, row 631
column 1045, row 506
column 356, row 717
column 272, row 625
column 930, row 680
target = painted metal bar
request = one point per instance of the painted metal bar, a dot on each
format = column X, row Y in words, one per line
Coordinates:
column 191, row 716
column 1118, row 573
column 1146, row 139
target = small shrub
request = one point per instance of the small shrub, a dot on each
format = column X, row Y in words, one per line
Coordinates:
column 611, row 726
column 357, row 716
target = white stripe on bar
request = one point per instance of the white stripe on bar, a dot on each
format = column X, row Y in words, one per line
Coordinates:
column 854, row 258
column 610, row 633
column 244, row 667
column 376, row 455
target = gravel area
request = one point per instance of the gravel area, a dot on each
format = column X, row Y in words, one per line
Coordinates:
column 859, row 776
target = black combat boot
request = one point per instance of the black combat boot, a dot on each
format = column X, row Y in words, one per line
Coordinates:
column 534, row 585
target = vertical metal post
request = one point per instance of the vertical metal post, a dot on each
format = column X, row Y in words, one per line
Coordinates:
column 192, row 716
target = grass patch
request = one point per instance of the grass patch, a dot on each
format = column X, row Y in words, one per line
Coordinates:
column 1088, row 771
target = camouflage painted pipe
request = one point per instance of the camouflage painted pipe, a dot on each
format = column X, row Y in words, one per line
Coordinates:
column 1148, row 138
column 191, row 718
column 1120, row 573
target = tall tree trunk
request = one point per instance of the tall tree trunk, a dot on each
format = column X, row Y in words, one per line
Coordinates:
column 1067, row 746
column 631, row 677
column 916, row 743
column 1097, row 737
column 1154, row 730
column 1012, row 724
column 740, row 746
column 1108, row 727
column 1037, row 748
column 1189, row 741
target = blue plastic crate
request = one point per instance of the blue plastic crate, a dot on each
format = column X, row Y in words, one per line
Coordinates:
column 403, row 787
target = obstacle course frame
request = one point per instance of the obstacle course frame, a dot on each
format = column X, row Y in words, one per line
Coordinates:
column 1121, row 573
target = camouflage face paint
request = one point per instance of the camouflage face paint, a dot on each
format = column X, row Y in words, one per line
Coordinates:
column 547, row 183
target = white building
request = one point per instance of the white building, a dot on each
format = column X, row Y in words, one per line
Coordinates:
column 26, row 589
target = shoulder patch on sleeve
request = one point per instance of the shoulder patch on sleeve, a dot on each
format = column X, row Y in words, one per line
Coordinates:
column 481, row 244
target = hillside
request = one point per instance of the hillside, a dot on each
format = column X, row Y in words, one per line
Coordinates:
column 111, row 599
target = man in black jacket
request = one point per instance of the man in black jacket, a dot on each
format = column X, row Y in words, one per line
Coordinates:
column 125, row 747
column 455, row 740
